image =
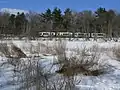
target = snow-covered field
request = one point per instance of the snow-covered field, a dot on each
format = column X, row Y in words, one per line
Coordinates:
column 108, row 81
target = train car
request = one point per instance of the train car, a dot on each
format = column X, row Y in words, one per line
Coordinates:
column 64, row 34
column 81, row 35
column 46, row 34
column 71, row 35
column 98, row 35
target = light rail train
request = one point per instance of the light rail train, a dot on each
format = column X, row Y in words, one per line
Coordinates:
column 71, row 35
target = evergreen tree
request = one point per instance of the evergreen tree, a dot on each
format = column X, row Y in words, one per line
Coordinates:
column 57, row 19
column 47, row 20
column 67, row 19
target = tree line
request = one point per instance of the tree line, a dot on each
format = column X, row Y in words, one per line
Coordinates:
column 99, row 21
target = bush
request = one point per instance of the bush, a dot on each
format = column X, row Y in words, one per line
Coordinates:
column 81, row 62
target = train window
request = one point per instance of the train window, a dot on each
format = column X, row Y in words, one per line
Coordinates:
column 58, row 33
column 45, row 33
column 52, row 33
column 66, row 34
column 101, row 34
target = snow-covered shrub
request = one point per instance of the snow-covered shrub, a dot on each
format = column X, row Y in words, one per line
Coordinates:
column 80, row 62
column 31, row 74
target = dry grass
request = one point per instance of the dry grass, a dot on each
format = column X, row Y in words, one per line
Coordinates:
column 87, row 68
column 11, row 51
column 4, row 49
column 116, row 52
column 18, row 52
column 83, row 62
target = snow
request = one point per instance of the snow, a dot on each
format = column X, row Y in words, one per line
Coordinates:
column 109, row 81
